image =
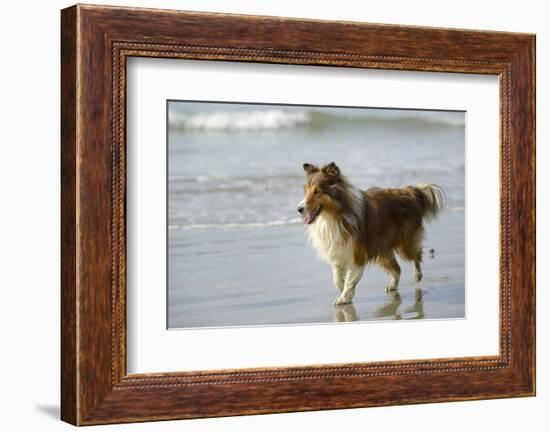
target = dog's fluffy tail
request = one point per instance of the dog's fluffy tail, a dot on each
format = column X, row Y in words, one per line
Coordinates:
column 432, row 200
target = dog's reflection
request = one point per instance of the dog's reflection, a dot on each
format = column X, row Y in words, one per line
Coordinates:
column 345, row 313
column 416, row 310
column 391, row 308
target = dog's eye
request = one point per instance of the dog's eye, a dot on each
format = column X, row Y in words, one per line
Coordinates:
column 316, row 192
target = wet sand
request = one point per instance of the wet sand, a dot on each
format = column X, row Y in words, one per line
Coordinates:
column 271, row 275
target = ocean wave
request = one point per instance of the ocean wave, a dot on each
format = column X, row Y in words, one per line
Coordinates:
column 239, row 121
column 280, row 119
column 274, row 223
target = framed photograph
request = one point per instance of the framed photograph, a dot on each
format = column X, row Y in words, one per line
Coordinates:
column 264, row 214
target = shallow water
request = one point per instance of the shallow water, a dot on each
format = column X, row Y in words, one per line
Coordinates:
column 271, row 275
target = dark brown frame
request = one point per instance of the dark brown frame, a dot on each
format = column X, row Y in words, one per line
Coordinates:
column 95, row 43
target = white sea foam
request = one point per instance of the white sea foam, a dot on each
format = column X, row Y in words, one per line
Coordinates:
column 251, row 120
column 277, row 119
column 235, row 225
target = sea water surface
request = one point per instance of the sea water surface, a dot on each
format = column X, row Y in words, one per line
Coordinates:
column 237, row 254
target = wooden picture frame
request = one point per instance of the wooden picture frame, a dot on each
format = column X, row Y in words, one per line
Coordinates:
column 95, row 43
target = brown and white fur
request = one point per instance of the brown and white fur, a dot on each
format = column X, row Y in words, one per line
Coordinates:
column 350, row 227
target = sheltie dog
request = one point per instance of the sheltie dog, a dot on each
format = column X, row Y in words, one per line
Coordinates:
column 350, row 228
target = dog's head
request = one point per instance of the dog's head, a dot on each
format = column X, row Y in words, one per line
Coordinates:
column 323, row 191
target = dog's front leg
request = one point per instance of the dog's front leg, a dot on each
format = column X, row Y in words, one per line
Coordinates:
column 353, row 276
column 339, row 276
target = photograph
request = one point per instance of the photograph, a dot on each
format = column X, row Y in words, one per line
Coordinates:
column 299, row 214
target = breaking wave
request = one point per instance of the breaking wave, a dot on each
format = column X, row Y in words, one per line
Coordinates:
column 239, row 121
column 280, row 119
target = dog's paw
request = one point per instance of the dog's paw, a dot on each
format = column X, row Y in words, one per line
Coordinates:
column 417, row 277
column 390, row 287
column 342, row 301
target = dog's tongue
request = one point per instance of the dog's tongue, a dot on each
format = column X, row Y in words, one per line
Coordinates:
column 307, row 218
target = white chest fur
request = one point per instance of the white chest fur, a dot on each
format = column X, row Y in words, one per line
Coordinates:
column 328, row 237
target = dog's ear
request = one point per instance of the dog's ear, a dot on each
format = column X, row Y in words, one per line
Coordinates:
column 310, row 169
column 331, row 170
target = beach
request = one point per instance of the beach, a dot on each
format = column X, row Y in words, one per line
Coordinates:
column 237, row 253
column 271, row 275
